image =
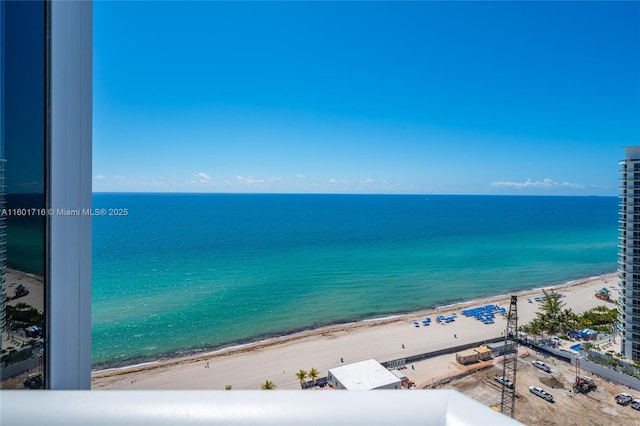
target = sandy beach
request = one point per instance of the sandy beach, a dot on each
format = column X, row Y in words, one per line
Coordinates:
column 33, row 283
column 247, row 366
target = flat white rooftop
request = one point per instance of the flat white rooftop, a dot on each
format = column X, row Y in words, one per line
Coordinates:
column 364, row 375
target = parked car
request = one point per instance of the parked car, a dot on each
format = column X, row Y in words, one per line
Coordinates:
column 541, row 393
column 623, row 398
column 503, row 381
column 542, row 366
column 33, row 381
column 635, row 404
column 33, row 331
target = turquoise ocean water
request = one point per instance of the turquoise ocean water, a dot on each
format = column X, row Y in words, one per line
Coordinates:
column 188, row 272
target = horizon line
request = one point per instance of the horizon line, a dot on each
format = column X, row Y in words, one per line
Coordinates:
column 346, row 194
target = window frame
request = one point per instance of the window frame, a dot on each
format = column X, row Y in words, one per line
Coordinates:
column 68, row 186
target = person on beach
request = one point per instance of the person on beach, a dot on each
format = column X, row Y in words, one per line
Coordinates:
column 403, row 346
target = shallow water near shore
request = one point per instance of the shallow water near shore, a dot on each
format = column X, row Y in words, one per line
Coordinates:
column 188, row 272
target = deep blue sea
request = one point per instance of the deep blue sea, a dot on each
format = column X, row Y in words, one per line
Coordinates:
column 188, row 272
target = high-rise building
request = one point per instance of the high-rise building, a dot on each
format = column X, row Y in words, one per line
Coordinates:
column 629, row 254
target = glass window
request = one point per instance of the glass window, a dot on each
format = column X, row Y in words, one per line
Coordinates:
column 22, row 195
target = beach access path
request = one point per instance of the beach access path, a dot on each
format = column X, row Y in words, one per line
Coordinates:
column 278, row 359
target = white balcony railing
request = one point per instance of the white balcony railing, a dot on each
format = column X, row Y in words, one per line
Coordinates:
column 176, row 408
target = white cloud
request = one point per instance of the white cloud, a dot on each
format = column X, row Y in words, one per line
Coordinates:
column 248, row 180
column 299, row 176
column 545, row 183
column 203, row 177
column 366, row 180
column 337, row 182
column 100, row 177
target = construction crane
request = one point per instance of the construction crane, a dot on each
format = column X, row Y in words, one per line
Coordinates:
column 510, row 360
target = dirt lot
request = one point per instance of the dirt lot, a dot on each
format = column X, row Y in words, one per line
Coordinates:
column 598, row 408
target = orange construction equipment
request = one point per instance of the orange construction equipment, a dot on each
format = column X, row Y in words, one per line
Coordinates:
column 583, row 384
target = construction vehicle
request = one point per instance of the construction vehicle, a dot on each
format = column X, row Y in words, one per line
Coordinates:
column 583, row 384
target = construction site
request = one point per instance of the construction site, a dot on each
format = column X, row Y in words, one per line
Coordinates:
column 596, row 407
column 536, row 389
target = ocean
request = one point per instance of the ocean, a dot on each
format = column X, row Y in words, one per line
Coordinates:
column 182, row 273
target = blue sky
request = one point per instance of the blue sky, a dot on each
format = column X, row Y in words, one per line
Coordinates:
column 365, row 97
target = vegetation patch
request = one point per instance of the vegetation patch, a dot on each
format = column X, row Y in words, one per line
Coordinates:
column 554, row 319
column 23, row 315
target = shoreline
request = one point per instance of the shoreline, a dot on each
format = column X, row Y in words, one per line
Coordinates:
column 161, row 363
column 266, row 339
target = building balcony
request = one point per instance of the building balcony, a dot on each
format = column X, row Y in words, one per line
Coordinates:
column 631, row 337
column 628, row 280
column 628, row 330
column 628, row 226
column 628, row 252
column 629, row 287
column 629, row 243
column 630, row 293
column 627, row 302
column 626, row 248
column 628, row 266
column 635, row 321
column 629, row 184
column 628, row 216
column 629, row 262
column 628, row 257
column 625, row 311
column 630, row 211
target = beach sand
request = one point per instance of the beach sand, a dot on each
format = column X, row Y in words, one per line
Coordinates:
column 33, row 283
column 35, row 299
column 246, row 367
